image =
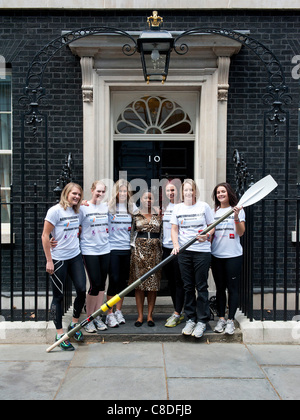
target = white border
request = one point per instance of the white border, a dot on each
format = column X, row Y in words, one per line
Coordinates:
column 152, row 4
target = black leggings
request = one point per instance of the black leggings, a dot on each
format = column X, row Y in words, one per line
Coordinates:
column 97, row 268
column 62, row 269
column 118, row 271
column 227, row 274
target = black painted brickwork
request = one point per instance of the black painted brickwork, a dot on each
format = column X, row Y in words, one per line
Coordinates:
column 23, row 33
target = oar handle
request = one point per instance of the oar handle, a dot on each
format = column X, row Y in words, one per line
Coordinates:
column 58, row 342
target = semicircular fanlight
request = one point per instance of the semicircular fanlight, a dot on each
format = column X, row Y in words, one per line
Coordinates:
column 153, row 115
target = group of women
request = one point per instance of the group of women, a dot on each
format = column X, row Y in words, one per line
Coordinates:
column 122, row 241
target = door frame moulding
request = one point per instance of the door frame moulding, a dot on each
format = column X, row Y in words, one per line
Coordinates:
column 207, row 74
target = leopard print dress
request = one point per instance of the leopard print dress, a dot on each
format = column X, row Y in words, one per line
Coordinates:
column 145, row 253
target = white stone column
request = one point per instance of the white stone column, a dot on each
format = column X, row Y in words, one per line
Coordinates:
column 87, row 64
column 87, row 69
column 223, row 86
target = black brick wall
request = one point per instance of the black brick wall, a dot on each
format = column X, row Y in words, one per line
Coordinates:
column 24, row 33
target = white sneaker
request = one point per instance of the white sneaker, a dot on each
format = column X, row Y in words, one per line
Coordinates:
column 99, row 324
column 199, row 330
column 119, row 317
column 189, row 327
column 229, row 327
column 111, row 321
column 220, row 327
column 90, row 327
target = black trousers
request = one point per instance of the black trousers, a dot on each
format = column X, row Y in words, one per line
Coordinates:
column 175, row 283
column 194, row 267
column 227, row 274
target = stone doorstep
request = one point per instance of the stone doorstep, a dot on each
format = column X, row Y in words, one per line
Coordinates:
column 256, row 332
column 44, row 332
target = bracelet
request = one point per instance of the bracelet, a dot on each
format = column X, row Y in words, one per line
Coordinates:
column 237, row 221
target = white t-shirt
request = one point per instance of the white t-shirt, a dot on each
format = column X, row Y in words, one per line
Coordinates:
column 226, row 242
column 120, row 228
column 191, row 220
column 65, row 232
column 94, row 239
column 167, row 241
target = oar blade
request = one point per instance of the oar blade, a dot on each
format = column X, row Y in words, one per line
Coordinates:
column 258, row 191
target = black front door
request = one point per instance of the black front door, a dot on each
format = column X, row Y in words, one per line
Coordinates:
column 154, row 159
column 148, row 160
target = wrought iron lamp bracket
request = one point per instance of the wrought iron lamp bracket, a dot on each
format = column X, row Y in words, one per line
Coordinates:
column 34, row 92
column 65, row 177
column 241, row 174
column 276, row 95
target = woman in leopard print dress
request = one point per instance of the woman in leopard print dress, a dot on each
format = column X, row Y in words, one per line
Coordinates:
column 146, row 253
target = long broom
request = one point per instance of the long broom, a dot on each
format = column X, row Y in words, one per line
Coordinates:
column 254, row 194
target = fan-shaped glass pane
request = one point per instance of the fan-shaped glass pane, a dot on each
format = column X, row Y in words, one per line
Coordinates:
column 181, row 128
column 153, row 115
column 125, row 127
column 140, row 108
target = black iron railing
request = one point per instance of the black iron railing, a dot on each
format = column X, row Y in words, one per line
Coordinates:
column 271, row 258
column 24, row 283
column 270, row 278
column 25, row 290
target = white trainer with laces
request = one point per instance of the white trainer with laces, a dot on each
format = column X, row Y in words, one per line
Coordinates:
column 189, row 327
column 199, row 330
column 99, row 324
column 119, row 317
column 230, row 327
column 220, row 327
column 111, row 321
column 90, row 328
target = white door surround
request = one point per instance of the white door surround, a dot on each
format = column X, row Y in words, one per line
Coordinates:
column 203, row 73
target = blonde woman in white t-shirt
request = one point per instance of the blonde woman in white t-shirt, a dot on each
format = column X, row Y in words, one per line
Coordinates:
column 227, row 254
column 188, row 220
column 95, row 249
column 170, row 197
column 64, row 257
column 121, row 208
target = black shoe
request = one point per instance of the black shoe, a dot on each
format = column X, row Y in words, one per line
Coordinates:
column 151, row 323
column 138, row 324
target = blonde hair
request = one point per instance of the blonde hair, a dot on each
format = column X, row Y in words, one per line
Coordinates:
column 65, row 193
column 193, row 184
column 95, row 183
column 177, row 184
column 112, row 204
